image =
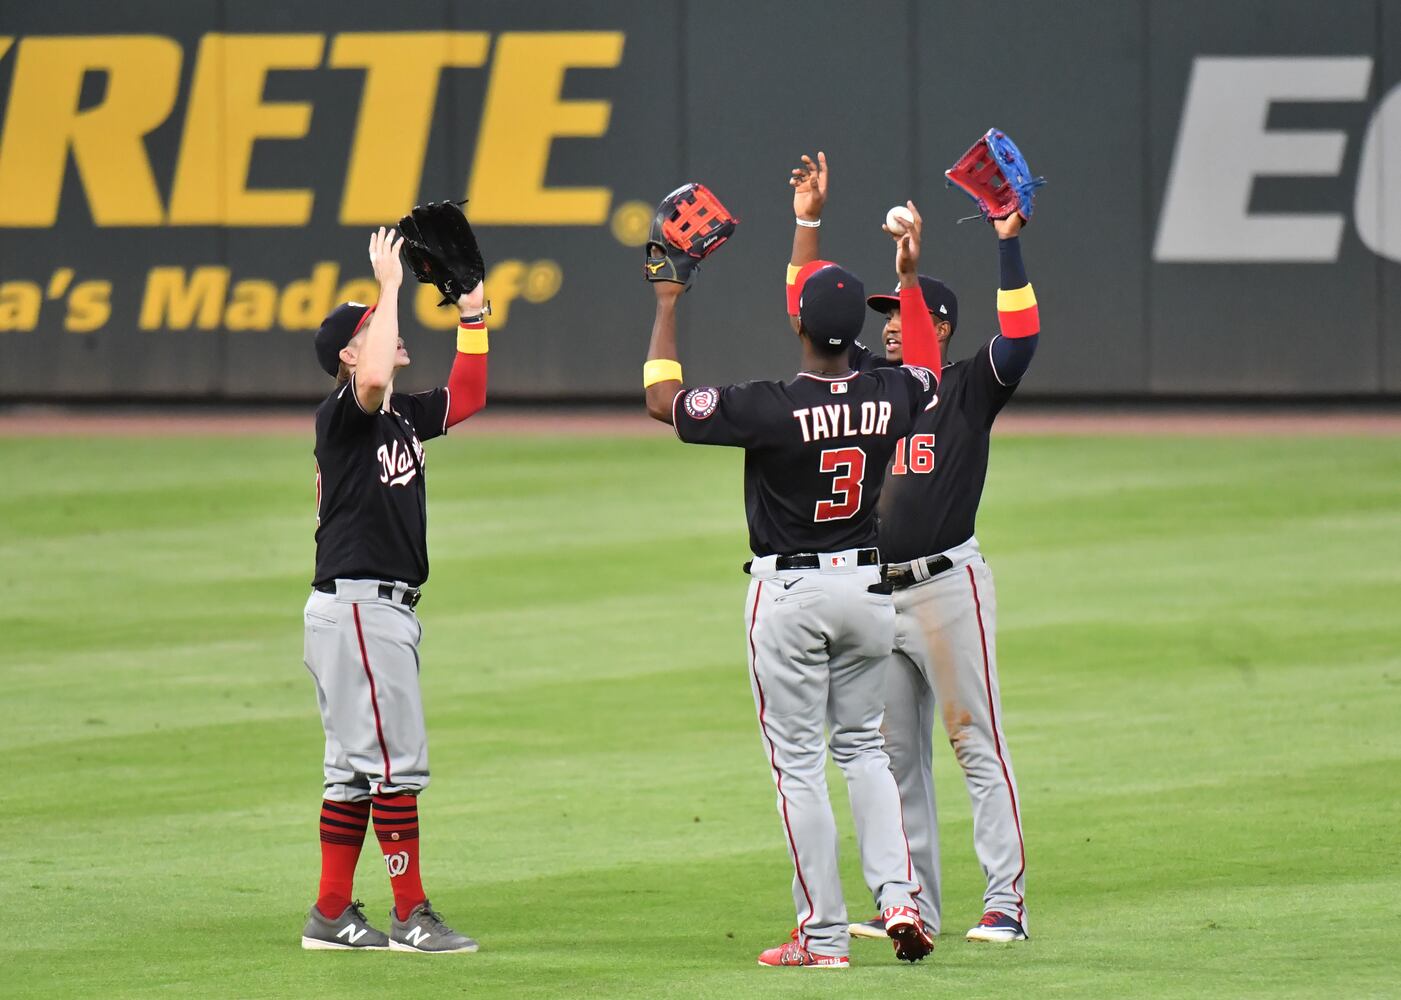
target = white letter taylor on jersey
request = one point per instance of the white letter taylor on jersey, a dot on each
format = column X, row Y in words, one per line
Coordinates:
column 398, row 465
column 833, row 420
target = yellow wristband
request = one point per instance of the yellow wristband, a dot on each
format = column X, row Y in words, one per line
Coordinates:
column 1014, row 299
column 471, row 340
column 793, row 270
column 661, row 370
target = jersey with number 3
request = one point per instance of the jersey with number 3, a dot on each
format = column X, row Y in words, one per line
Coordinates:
column 815, row 450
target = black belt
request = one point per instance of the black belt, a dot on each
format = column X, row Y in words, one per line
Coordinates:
column 902, row 575
column 386, row 593
column 810, row 560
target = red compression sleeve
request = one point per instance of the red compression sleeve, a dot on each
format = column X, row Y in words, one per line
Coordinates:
column 467, row 383
column 921, row 346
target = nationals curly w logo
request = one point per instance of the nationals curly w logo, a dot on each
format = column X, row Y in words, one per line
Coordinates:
column 397, row 863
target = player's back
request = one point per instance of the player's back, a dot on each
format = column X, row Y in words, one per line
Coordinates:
column 816, row 450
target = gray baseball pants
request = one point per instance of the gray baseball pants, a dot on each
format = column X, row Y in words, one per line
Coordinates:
column 946, row 656
column 818, row 641
column 362, row 651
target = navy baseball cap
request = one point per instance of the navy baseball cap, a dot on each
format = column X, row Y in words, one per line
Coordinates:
column 336, row 330
column 939, row 297
column 830, row 306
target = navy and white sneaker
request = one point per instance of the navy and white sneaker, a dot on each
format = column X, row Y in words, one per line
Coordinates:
column 997, row 927
column 869, row 929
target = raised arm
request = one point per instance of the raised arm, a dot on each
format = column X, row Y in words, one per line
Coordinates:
column 374, row 366
column 921, row 344
column 809, row 183
column 467, row 381
column 1018, row 315
column 661, row 375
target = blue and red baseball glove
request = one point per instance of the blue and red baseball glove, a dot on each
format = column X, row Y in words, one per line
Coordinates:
column 994, row 174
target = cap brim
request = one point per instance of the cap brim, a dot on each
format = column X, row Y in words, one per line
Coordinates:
column 882, row 303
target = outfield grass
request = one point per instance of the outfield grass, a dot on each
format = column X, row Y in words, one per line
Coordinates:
column 1201, row 677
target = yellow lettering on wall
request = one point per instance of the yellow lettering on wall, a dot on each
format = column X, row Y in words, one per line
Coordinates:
column 43, row 122
column 402, row 69
column 19, row 306
column 173, row 301
column 226, row 116
column 89, row 306
column 251, row 305
column 524, row 114
column 305, row 303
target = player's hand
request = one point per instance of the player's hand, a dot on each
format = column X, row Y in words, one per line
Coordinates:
column 473, row 302
column 384, row 257
column 1009, row 227
column 907, row 244
column 809, row 183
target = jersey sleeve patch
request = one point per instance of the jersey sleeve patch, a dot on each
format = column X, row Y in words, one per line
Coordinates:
column 925, row 376
column 701, row 403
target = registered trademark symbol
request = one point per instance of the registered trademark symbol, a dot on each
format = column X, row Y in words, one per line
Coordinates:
column 632, row 222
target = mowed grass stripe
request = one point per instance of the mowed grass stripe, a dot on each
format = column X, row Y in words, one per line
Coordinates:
column 1200, row 672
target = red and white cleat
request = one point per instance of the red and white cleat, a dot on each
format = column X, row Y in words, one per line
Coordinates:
column 906, row 931
column 794, row 955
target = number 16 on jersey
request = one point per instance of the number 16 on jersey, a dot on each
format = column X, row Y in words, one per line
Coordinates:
column 921, row 455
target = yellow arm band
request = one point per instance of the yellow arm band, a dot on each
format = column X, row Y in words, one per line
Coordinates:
column 793, row 270
column 1013, row 299
column 471, row 340
column 661, row 370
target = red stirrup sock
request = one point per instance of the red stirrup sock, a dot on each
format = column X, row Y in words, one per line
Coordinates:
column 396, row 826
column 342, row 835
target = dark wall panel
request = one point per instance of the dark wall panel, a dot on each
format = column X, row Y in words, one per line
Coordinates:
column 1078, row 117
column 758, row 96
column 731, row 93
column 1389, row 138
column 1280, row 327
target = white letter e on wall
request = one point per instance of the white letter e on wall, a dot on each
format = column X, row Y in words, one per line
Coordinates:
column 1223, row 145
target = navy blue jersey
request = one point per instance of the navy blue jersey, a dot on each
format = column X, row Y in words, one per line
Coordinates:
column 936, row 475
column 371, row 503
column 815, row 450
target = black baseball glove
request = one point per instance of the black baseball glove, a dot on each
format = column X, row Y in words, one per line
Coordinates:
column 442, row 249
column 690, row 224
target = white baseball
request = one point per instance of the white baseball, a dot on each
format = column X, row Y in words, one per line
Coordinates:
column 898, row 219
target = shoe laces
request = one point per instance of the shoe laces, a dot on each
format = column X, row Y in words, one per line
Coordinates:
column 793, row 954
column 427, row 911
column 358, row 908
column 990, row 919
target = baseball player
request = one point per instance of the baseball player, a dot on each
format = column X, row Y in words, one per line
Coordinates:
column 362, row 634
column 946, row 607
column 818, row 616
